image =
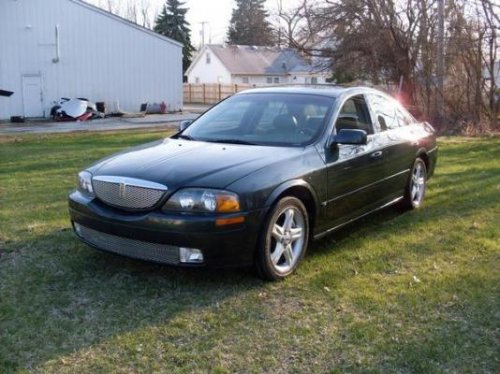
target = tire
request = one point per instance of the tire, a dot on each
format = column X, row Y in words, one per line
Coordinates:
column 283, row 241
column 416, row 185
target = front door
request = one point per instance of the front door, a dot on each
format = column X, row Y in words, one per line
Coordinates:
column 354, row 171
column 32, row 96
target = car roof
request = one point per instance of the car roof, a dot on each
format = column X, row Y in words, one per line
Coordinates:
column 323, row 90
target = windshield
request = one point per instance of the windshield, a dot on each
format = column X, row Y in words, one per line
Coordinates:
column 263, row 119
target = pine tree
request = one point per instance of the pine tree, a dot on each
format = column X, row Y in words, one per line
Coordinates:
column 172, row 23
column 249, row 25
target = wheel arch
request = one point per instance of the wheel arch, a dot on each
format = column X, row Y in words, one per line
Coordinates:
column 422, row 153
column 301, row 190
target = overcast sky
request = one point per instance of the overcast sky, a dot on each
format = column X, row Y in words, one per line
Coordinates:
column 216, row 13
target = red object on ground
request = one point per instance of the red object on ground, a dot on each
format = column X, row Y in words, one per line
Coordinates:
column 85, row 116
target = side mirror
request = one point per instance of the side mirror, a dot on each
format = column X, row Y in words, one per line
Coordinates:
column 183, row 125
column 350, row 136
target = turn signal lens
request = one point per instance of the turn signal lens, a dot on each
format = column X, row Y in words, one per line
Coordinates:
column 227, row 203
column 229, row 221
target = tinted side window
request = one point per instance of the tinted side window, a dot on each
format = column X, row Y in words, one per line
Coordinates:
column 354, row 115
column 385, row 112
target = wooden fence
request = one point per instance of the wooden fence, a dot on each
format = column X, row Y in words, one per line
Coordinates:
column 210, row 93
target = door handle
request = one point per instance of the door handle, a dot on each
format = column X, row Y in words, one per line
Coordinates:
column 376, row 154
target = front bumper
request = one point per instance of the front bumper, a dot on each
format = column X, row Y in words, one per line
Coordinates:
column 156, row 236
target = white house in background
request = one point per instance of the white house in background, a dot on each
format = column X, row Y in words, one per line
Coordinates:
column 68, row 48
column 242, row 64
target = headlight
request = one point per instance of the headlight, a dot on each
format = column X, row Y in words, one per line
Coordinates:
column 203, row 200
column 85, row 182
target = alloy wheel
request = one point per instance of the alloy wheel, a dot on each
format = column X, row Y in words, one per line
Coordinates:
column 287, row 239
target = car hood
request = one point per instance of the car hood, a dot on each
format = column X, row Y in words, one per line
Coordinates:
column 182, row 163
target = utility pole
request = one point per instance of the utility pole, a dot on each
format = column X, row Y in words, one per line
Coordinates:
column 202, row 32
column 440, row 60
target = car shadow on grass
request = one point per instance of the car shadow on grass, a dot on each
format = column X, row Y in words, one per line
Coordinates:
column 59, row 296
column 365, row 226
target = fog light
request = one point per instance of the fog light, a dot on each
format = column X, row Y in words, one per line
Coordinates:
column 190, row 255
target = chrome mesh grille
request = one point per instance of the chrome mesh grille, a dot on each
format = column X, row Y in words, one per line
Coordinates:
column 127, row 193
column 163, row 253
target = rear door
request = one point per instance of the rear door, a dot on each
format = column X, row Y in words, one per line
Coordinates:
column 392, row 124
column 354, row 171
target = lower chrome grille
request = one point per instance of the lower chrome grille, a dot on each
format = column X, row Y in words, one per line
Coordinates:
column 163, row 253
column 128, row 193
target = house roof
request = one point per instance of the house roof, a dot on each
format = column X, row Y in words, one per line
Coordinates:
column 251, row 60
column 125, row 21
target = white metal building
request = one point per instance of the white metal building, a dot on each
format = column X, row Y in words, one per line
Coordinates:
column 68, row 48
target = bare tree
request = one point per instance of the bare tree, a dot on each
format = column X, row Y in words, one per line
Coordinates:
column 132, row 12
column 140, row 12
column 289, row 22
column 395, row 42
column 147, row 17
column 111, row 6
column 492, row 25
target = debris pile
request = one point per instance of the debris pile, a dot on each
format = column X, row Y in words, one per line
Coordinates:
column 80, row 109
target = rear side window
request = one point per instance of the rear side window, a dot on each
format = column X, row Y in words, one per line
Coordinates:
column 385, row 112
column 404, row 118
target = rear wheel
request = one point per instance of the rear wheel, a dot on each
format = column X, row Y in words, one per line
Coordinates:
column 283, row 242
column 415, row 189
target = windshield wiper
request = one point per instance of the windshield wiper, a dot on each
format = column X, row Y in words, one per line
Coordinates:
column 186, row 137
column 230, row 141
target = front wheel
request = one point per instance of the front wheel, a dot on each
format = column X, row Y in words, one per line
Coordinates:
column 283, row 241
column 416, row 186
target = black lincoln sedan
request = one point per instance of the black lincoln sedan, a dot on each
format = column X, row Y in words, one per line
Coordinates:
column 253, row 179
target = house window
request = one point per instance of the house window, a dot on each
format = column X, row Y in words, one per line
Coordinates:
column 245, row 80
column 314, row 80
column 276, row 79
column 209, row 58
column 197, row 80
column 269, row 80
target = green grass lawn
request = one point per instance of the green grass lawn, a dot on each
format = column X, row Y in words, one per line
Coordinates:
column 396, row 292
